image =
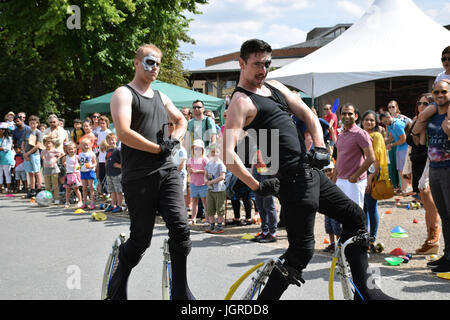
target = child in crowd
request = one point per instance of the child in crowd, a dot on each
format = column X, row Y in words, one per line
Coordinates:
column 332, row 227
column 31, row 146
column 264, row 205
column 73, row 179
column 6, row 157
column 50, row 157
column 216, row 196
column 77, row 132
column 196, row 168
column 101, row 136
column 424, row 116
column 113, row 173
column 19, row 170
column 42, row 126
column 88, row 161
column 180, row 158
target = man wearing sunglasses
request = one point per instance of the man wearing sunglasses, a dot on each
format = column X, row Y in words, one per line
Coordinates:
column 150, row 179
column 423, row 117
column 200, row 126
column 438, row 131
column 262, row 108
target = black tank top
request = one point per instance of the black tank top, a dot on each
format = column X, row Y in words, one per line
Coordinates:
column 272, row 113
column 150, row 119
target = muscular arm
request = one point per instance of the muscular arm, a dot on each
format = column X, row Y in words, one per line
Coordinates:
column 237, row 114
column 421, row 122
column 178, row 119
column 303, row 112
column 121, row 113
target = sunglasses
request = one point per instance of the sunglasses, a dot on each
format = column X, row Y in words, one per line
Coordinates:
column 195, row 107
column 436, row 92
column 444, row 59
column 426, row 104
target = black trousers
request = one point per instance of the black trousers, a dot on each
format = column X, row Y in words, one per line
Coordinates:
column 159, row 193
column 302, row 194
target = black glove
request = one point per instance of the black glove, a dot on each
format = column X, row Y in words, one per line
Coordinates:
column 268, row 187
column 167, row 147
column 319, row 158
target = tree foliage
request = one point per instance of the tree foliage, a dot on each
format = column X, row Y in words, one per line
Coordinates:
column 48, row 67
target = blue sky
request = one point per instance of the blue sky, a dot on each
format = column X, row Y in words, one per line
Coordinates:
column 225, row 24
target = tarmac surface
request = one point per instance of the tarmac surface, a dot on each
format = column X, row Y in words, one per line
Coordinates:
column 413, row 221
column 47, row 245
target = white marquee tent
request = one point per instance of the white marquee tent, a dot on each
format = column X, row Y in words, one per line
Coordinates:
column 393, row 38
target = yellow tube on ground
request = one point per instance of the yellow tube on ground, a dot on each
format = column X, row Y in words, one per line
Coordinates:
column 331, row 278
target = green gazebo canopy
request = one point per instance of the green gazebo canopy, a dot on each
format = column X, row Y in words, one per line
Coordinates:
column 181, row 97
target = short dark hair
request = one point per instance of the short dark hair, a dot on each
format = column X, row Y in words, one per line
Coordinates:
column 385, row 115
column 253, row 46
column 349, row 104
column 198, row 101
column 446, row 50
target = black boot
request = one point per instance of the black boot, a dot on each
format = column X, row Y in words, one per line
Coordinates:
column 180, row 287
column 275, row 287
column 117, row 289
column 280, row 278
column 366, row 288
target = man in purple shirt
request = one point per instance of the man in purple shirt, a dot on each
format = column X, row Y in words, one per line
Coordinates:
column 355, row 155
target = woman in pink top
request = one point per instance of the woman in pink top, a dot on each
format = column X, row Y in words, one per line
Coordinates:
column 196, row 168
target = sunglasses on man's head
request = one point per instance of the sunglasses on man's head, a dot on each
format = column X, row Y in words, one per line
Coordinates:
column 443, row 59
column 436, row 92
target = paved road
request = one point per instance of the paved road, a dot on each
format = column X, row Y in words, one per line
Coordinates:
column 52, row 253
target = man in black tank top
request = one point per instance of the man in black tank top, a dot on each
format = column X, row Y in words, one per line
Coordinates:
column 150, row 180
column 302, row 188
